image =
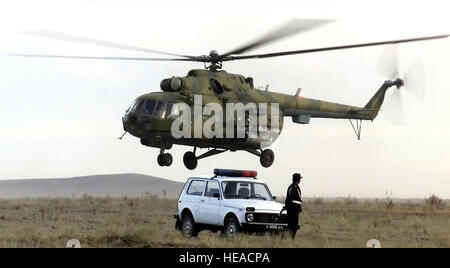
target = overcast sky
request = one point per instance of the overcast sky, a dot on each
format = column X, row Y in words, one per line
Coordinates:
column 61, row 118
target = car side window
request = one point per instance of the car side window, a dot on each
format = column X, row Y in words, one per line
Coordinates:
column 196, row 188
column 212, row 187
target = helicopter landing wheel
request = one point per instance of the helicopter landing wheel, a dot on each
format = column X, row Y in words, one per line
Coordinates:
column 267, row 158
column 190, row 160
column 165, row 160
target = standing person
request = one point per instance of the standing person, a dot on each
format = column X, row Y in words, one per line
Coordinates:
column 294, row 204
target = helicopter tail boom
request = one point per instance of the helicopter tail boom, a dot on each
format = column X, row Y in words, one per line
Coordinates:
column 309, row 108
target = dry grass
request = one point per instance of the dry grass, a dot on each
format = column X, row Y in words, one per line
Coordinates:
column 434, row 202
column 148, row 222
column 317, row 200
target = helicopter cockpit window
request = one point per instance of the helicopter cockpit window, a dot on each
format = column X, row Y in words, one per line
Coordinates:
column 136, row 106
column 150, row 107
column 161, row 110
column 173, row 110
column 216, row 86
column 132, row 106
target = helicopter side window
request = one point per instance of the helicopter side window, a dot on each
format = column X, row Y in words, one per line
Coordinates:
column 150, row 107
column 161, row 109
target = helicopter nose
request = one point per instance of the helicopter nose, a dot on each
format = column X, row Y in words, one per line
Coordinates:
column 129, row 121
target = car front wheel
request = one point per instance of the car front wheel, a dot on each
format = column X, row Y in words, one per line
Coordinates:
column 188, row 226
column 232, row 228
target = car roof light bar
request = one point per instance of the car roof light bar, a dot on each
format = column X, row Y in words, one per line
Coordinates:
column 235, row 173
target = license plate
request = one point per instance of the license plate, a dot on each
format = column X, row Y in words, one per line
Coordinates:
column 274, row 227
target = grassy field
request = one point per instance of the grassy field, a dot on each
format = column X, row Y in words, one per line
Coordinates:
column 148, row 222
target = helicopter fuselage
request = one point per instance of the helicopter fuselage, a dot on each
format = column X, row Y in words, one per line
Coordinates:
column 151, row 116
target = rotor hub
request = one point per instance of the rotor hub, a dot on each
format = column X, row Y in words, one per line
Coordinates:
column 213, row 53
column 399, row 83
column 215, row 60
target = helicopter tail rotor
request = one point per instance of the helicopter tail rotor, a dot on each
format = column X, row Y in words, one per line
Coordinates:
column 412, row 81
column 415, row 80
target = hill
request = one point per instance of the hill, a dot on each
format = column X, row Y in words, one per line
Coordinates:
column 116, row 185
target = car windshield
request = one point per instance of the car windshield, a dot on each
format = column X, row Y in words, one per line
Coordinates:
column 245, row 190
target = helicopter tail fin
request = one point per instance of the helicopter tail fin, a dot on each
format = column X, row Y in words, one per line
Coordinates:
column 373, row 107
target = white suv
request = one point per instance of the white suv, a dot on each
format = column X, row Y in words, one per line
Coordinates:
column 231, row 201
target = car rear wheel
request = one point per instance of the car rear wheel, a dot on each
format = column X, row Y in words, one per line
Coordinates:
column 232, row 228
column 188, row 226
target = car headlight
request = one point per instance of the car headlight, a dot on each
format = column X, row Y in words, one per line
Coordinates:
column 250, row 217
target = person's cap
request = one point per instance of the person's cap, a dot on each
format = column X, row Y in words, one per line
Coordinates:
column 296, row 177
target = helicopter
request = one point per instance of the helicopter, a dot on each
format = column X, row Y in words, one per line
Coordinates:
column 151, row 117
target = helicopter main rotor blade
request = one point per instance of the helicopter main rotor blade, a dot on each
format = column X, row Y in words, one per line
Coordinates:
column 314, row 50
column 100, row 58
column 292, row 27
column 90, row 41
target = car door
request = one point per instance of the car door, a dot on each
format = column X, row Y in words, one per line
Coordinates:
column 210, row 204
column 194, row 194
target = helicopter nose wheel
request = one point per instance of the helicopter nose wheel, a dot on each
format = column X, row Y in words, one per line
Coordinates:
column 267, row 158
column 190, row 160
column 165, row 160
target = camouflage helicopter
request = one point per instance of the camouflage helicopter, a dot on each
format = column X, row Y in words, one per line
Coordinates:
column 151, row 116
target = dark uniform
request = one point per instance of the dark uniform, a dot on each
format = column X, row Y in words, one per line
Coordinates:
column 293, row 206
